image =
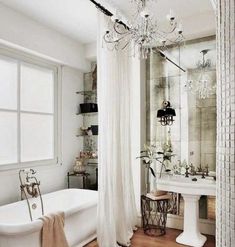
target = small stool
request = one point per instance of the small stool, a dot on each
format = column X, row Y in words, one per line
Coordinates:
column 154, row 214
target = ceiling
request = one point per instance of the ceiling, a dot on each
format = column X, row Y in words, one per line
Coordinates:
column 74, row 18
column 77, row 18
column 182, row 8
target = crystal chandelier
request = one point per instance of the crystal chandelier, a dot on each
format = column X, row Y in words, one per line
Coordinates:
column 203, row 86
column 143, row 30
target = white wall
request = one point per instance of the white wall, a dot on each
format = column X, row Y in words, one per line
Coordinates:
column 19, row 31
column 91, row 51
column 53, row 177
column 22, row 32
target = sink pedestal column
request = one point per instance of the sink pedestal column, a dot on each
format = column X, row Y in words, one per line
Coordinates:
column 191, row 235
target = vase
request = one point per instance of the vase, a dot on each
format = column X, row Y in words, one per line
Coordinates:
column 79, row 166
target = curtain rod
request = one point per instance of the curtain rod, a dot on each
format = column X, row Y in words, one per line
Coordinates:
column 101, row 8
column 108, row 13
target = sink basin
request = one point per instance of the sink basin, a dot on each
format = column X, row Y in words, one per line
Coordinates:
column 191, row 192
column 180, row 178
column 181, row 184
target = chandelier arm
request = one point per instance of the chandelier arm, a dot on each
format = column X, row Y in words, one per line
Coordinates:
column 178, row 39
column 127, row 43
column 113, row 41
column 169, row 32
column 162, row 44
column 115, row 27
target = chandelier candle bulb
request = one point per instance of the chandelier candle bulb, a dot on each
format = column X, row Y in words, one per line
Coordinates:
column 144, row 13
column 171, row 15
column 180, row 28
column 116, row 17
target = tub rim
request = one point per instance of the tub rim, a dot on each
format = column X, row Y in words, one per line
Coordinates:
column 36, row 225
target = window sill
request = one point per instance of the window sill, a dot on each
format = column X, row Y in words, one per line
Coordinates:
column 19, row 166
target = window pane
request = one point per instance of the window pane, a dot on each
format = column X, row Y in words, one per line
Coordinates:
column 37, row 87
column 8, row 138
column 8, row 84
column 37, row 137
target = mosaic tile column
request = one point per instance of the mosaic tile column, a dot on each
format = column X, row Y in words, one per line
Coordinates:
column 225, row 222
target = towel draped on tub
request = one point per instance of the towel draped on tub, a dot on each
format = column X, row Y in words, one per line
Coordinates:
column 52, row 234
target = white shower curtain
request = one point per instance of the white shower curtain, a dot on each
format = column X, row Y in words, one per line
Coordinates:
column 213, row 2
column 117, row 214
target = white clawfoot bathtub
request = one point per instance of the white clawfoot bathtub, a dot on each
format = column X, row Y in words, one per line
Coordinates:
column 79, row 206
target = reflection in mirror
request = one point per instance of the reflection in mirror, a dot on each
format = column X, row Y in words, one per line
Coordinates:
column 192, row 136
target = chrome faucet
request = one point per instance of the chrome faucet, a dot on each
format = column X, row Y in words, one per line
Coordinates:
column 204, row 172
column 192, row 170
column 187, row 172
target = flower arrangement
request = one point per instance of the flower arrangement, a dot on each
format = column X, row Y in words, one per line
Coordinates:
column 150, row 153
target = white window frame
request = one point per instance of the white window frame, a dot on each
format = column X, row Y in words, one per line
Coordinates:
column 34, row 61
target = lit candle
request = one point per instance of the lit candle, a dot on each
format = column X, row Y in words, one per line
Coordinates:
column 171, row 14
column 180, row 27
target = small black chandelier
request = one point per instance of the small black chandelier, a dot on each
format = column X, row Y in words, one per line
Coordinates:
column 166, row 114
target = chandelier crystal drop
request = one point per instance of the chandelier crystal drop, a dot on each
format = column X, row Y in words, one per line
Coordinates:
column 143, row 31
column 203, row 87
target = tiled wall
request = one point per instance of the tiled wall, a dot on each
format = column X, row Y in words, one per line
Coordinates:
column 225, row 227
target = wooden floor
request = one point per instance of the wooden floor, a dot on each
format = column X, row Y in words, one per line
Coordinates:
column 141, row 240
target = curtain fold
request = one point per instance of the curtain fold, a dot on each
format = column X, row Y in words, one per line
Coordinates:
column 213, row 2
column 117, row 213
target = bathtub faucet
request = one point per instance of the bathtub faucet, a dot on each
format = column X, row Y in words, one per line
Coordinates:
column 31, row 183
column 29, row 186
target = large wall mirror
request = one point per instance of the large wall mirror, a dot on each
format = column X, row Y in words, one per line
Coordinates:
column 192, row 93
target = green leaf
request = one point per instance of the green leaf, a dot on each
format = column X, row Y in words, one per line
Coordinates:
column 166, row 158
column 144, row 156
column 152, row 171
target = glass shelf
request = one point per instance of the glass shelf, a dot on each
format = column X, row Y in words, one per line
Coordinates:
column 88, row 113
column 85, row 135
column 90, row 158
column 92, row 92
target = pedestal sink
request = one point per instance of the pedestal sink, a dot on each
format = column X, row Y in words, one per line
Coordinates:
column 191, row 192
